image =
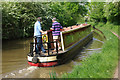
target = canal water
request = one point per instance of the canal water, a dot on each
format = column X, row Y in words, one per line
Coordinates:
column 14, row 60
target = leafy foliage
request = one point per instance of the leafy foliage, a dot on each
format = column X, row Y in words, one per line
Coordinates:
column 68, row 13
column 18, row 18
column 112, row 12
column 96, row 11
column 104, row 12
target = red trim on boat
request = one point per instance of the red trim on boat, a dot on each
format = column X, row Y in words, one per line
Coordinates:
column 48, row 64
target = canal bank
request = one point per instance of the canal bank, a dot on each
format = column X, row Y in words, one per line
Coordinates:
column 102, row 64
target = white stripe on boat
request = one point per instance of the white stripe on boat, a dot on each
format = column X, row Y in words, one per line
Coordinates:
column 44, row 59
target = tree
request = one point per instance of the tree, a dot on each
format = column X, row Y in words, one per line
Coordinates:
column 68, row 13
column 104, row 12
column 18, row 18
column 112, row 12
column 96, row 11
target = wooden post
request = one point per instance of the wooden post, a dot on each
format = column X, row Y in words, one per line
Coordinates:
column 50, row 39
column 48, row 47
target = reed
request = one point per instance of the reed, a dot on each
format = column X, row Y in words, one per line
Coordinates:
column 52, row 75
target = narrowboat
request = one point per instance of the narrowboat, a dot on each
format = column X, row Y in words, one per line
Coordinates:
column 72, row 39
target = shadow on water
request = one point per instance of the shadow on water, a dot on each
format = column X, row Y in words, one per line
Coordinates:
column 15, row 44
column 15, row 62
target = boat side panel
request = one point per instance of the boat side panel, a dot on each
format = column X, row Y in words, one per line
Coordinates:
column 69, row 39
column 74, row 50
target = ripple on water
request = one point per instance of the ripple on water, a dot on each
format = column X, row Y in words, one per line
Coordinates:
column 20, row 73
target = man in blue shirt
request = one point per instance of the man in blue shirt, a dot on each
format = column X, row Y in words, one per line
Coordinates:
column 38, row 34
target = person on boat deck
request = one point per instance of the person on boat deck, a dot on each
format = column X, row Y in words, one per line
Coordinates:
column 56, row 28
column 38, row 35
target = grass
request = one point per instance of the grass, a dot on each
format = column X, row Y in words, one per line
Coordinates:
column 99, row 65
column 107, row 26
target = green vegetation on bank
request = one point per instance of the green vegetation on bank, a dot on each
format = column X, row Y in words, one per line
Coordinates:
column 108, row 26
column 104, row 12
column 18, row 18
column 99, row 65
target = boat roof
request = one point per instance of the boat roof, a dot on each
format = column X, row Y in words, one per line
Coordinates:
column 75, row 27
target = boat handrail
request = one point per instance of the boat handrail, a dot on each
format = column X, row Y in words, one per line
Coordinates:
column 48, row 46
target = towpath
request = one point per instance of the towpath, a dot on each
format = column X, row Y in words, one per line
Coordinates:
column 116, row 73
